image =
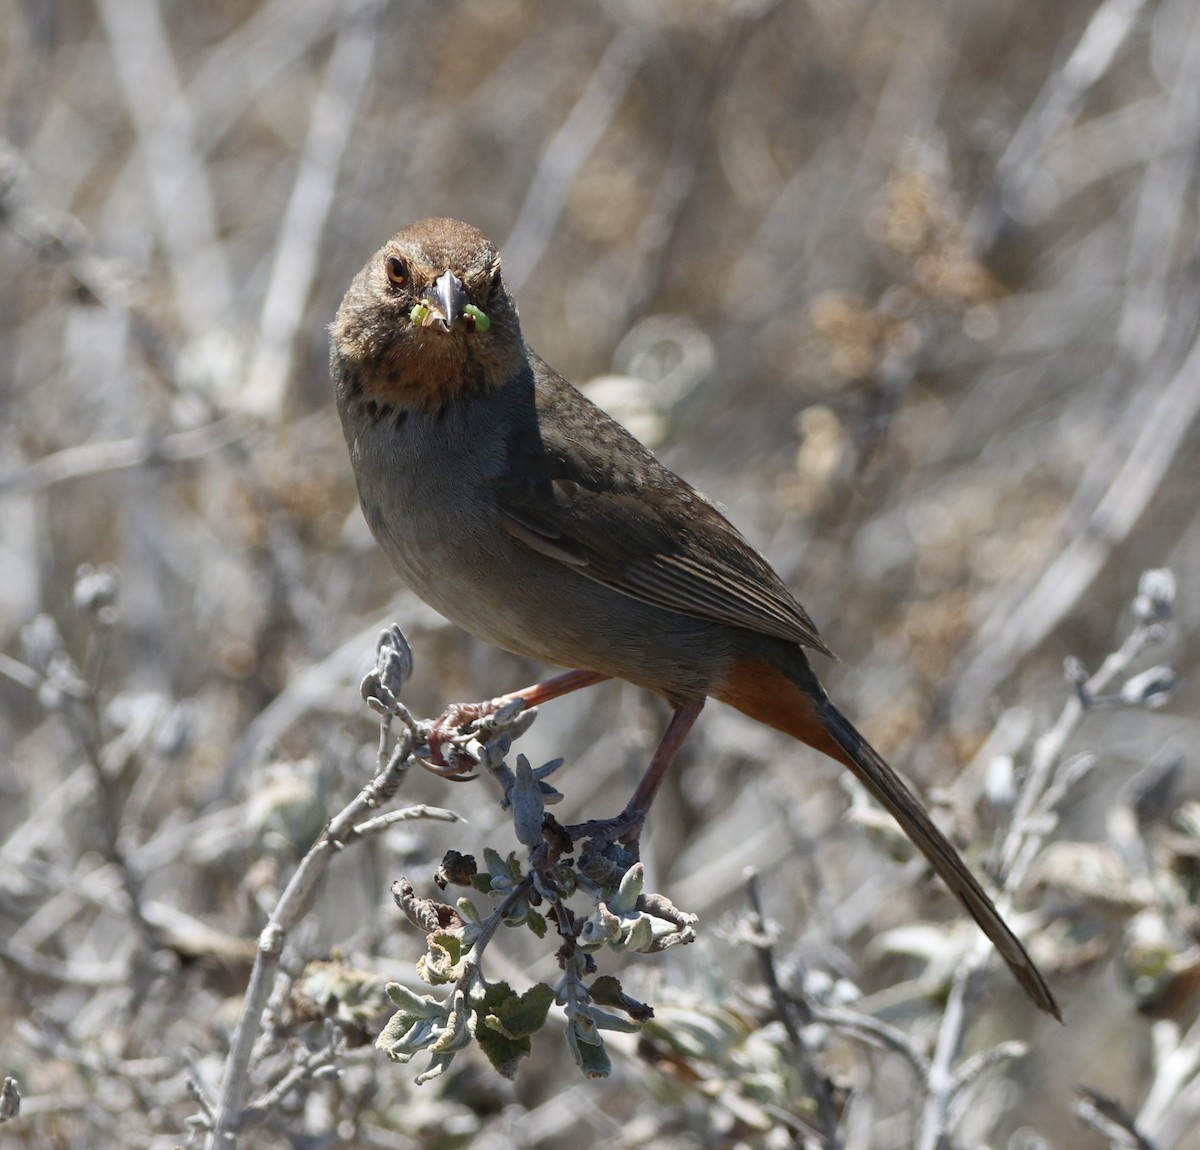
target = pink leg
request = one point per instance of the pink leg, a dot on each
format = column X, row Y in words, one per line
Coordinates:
column 677, row 730
column 549, row 689
column 627, row 826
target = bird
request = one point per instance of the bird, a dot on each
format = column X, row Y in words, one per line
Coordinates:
column 525, row 514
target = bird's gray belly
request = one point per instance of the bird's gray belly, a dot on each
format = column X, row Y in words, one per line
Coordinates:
column 446, row 543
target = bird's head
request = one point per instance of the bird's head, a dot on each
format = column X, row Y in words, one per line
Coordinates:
column 428, row 319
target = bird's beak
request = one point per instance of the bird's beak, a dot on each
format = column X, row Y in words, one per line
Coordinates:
column 446, row 301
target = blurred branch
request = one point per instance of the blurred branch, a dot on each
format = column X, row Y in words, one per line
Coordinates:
column 1059, row 99
column 1163, row 204
column 942, row 1079
column 874, row 1030
column 1010, row 634
column 73, row 694
column 1034, row 817
column 1028, row 825
column 1159, row 415
column 292, row 906
column 60, row 238
column 314, row 688
column 275, row 37
column 568, row 150
column 794, row 1013
column 1111, row 1120
column 309, row 1065
column 330, row 129
column 91, row 459
column 180, row 192
column 693, row 127
column 41, row 968
column 1172, row 1104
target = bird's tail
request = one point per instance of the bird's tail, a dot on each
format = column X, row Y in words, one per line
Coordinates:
column 794, row 702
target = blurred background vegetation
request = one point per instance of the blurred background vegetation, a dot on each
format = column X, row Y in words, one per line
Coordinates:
column 909, row 286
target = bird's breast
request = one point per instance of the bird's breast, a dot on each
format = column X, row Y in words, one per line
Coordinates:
column 428, row 487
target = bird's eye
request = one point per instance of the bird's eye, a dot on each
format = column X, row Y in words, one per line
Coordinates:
column 397, row 271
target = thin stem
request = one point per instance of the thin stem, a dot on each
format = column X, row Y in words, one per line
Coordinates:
column 816, row 1085
column 292, row 905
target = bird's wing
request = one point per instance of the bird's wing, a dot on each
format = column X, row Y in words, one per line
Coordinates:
column 585, row 492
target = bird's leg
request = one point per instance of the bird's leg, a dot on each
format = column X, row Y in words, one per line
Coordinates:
column 627, row 826
column 454, row 720
column 546, row 690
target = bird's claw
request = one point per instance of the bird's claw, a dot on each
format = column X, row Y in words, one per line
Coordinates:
column 446, row 738
column 626, row 829
column 452, row 771
column 610, row 846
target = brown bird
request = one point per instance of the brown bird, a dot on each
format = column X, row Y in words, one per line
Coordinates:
column 519, row 510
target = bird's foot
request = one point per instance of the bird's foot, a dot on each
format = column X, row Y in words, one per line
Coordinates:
column 625, row 828
column 447, row 737
column 609, row 845
column 457, row 737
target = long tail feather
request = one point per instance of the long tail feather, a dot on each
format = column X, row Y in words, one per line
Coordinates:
column 792, row 700
column 889, row 789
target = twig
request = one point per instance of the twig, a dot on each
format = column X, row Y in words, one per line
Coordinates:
column 874, row 1030
column 74, row 698
column 1163, row 429
column 308, row 209
column 1057, row 102
column 1026, row 833
column 183, row 201
column 1162, row 206
column 568, row 150
column 392, row 818
column 973, row 1068
column 1032, row 820
column 292, row 906
column 1172, row 1104
column 1108, row 1117
column 91, row 459
column 816, row 1084
column 312, row 1065
column 940, row 1083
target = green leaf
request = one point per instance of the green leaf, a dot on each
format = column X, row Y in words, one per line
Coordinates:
column 606, row 990
column 414, row 1026
column 605, row 1020
column 442, row 962
column 457, row 1032
column 505, row 1021
column 503, row 1053
column 469, row 911
column 438, row 1065
column 495, row 864
column 417, row 1005
column 588, row 1051
column 402, row 1036
column 639, row 938
column 630, row 890
column 536, row 923
column 514, row 1015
